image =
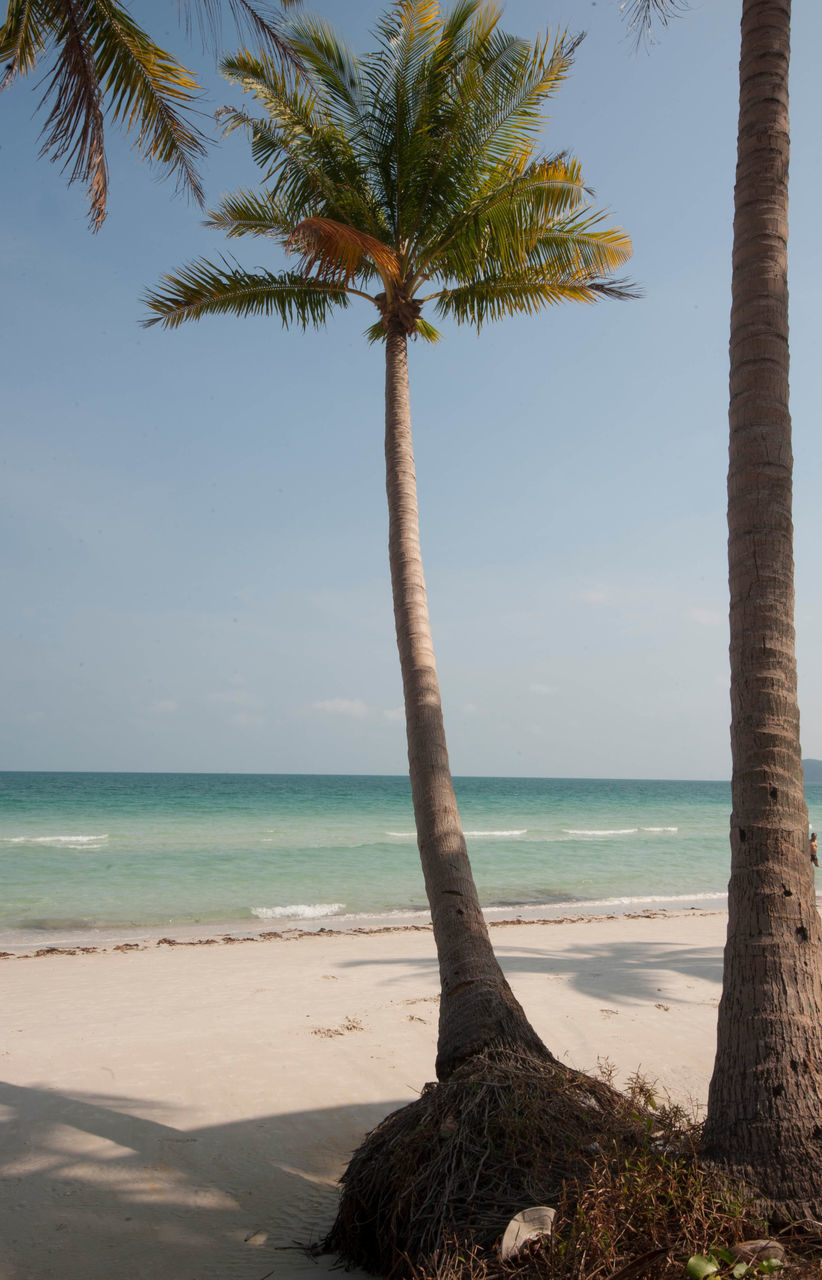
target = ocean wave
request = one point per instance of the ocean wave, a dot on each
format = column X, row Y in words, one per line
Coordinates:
column 576, row 904
column 472, row 835
column 299, row 911
column 614, row 831
column 67, row 842
column 660, row 828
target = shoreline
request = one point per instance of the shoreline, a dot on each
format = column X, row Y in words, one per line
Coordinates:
column 34, row 944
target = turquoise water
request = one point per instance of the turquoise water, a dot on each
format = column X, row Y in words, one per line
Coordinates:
column 86, row 851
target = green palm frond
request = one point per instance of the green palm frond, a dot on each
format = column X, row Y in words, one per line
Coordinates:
column 495, row 298
column 22, row 38
column 203, row 289
column 147, row 89
column 248, row 213
column 103, row 63
column 307, row 157
column 506, row 216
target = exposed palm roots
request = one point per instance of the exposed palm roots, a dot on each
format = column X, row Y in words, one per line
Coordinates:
column 431, row 1189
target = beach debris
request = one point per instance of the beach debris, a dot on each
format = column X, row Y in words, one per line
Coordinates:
column 256, row 1238
column 350, row 1024
column 664, row 1007
column 609, row 1013
column 530, row 1224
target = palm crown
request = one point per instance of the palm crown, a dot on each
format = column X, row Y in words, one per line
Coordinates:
column 408, row 177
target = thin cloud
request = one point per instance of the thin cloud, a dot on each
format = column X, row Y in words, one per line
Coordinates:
column 544, row 690
column 247, row 720
column 164, row 706
column 354, row 707
column 707, row 617
column 236, row 698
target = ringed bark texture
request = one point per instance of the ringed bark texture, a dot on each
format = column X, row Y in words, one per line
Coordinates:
column 764, row 1116
column 478, row 1010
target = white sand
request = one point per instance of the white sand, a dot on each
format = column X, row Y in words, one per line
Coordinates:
column 164, row 1105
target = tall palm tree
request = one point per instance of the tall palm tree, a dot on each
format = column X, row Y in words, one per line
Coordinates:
column 102, row 62
column 764, row 1116
column 410, row 179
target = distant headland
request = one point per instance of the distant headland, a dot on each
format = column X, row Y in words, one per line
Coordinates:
column 813, row 770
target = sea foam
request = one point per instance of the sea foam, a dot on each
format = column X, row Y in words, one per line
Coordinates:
column 67, row 842
column 469, row 835
column 614, row 831
column 299, row 911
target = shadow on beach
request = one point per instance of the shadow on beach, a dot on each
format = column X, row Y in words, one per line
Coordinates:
column 621, row 972
column 99, row 1187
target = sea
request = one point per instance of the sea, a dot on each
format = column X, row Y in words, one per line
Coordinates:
column 88, row 857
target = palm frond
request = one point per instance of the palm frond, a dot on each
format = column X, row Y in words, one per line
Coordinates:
column 335, row 252
column 22, row 38
column 494, row 298
column 506, row 215
column 248, row 213
column 305, row 153
column 641, row 15
column 422, row 329
column 147, row 89
column 203, row 289
column 73, row 130
column 104, row 61
column 251, row 19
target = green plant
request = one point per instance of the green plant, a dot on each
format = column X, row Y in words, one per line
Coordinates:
column 722, row 1262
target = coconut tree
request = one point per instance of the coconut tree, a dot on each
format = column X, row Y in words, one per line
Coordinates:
column 410, row 180
column 100, row 61
column 764, row 1119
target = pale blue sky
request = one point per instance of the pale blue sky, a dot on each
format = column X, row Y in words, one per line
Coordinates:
column 195, row 572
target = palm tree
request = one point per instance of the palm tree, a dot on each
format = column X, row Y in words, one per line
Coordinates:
column 764, row 1119
column 410, row 179
column 104, row 62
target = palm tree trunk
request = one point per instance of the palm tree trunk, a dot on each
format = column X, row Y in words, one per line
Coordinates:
column 765, row 1103
column 478, row 1010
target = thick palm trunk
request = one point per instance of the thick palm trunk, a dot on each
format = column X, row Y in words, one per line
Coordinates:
column 478, row 1011
column 765, row 1103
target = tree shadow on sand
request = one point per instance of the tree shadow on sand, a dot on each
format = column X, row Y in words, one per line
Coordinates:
column 99, row 1187
column 621, row 972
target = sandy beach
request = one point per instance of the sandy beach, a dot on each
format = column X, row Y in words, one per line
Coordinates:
column 183, row 1112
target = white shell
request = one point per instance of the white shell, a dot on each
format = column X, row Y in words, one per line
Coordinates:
column 527, row 1225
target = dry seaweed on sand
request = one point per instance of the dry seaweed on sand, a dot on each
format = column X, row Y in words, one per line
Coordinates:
column 431, row 1189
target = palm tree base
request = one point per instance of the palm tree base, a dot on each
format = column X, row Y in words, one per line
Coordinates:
column 443, row 1176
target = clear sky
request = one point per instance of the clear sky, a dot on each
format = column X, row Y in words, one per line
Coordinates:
column 194, row 529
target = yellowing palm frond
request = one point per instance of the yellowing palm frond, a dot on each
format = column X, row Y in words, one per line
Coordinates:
column 334, row 252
